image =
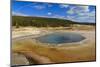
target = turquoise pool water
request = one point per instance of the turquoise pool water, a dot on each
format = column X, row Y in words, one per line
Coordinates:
column 58, row 38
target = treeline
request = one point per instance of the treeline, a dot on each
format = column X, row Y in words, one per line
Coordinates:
column 40, row 22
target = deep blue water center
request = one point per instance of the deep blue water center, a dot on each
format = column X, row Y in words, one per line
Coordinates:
column 58, row 38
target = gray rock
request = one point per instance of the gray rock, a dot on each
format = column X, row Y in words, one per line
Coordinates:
column 19, row 59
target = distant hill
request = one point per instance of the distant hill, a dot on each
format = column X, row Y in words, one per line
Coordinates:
column 43, row 22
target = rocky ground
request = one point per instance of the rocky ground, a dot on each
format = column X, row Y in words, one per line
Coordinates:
column 36, row 53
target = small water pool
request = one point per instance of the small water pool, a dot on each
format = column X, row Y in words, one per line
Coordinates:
column 58, row 38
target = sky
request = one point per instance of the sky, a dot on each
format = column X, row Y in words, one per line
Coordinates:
column 77, row 13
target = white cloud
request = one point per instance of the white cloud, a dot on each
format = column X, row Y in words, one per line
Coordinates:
column 89, row 14
column 39, row 7
column 64, row 6
column 70, row 11
column 49, row 13
column 83, row 17
column 78, row 9
column 18, row 14
column 81, row 14
column 59, row 16
column 85, row 8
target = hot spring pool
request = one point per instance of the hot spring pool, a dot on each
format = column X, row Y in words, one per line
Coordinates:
column 58, row 38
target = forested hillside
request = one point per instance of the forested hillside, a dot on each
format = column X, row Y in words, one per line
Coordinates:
column 42, row 22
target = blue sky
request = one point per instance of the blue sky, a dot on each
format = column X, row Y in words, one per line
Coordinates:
column 78, row 13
